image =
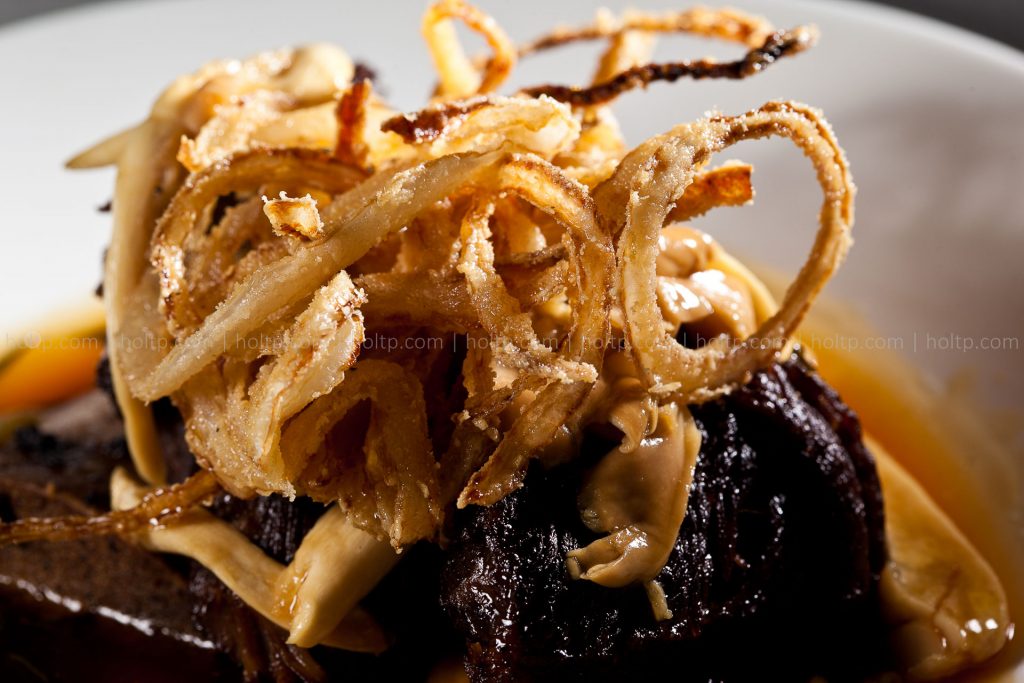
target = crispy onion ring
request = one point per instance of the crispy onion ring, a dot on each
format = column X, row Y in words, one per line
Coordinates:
column 542, row 126
column 534, row 287
column 295, row 217
column 510, row 329
column 775, row 47
column 231, row 128
column 245, row 172
column 663, row 176
column 234, row 422
column 726, row 24
column 434, row 121
column 434, row 298
column 430, row 291
column 591, row 265
column 458, row 76
column 321, row 345
column 626, row 49
column 360, row 141
column 394, row 491
column 353, row 228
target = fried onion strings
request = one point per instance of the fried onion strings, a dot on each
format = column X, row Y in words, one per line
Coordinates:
column 157, row 508
column 288, row 295
column 775, row 47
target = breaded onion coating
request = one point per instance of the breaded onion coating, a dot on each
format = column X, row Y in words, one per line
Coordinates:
column 294, row 216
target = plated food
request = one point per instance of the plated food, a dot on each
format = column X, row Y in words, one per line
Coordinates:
column 462, row 387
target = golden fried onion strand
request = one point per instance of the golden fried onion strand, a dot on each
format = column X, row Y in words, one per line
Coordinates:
column 662, row 176
column 726, row 24
column 156, row 508
column 776, row 46
column 591, row 264
column 458, row 76
column 241, row 172
column 394, row 491
column 352, row 233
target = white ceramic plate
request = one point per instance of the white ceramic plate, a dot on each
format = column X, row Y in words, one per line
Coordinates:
column 929, row 114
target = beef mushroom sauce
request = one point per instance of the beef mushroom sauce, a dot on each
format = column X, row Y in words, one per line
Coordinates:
column 461, row 394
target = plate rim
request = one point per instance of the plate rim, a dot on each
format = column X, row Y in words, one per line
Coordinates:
column 982, row 46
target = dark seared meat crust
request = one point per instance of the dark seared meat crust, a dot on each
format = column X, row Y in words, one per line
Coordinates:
column 773, row 575
column 79, row 468
column 774, row 571
column 93, row 608
column 405, row 603
column 257, row 646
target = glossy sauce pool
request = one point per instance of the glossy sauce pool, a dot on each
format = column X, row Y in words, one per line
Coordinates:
column 959, row 454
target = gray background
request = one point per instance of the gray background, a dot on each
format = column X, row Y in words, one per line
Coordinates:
column 999, row 19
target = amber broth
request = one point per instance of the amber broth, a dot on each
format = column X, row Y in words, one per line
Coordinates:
column 944, row 439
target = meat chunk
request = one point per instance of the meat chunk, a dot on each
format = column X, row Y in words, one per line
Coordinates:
column 111, row 610
column 775, row 568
